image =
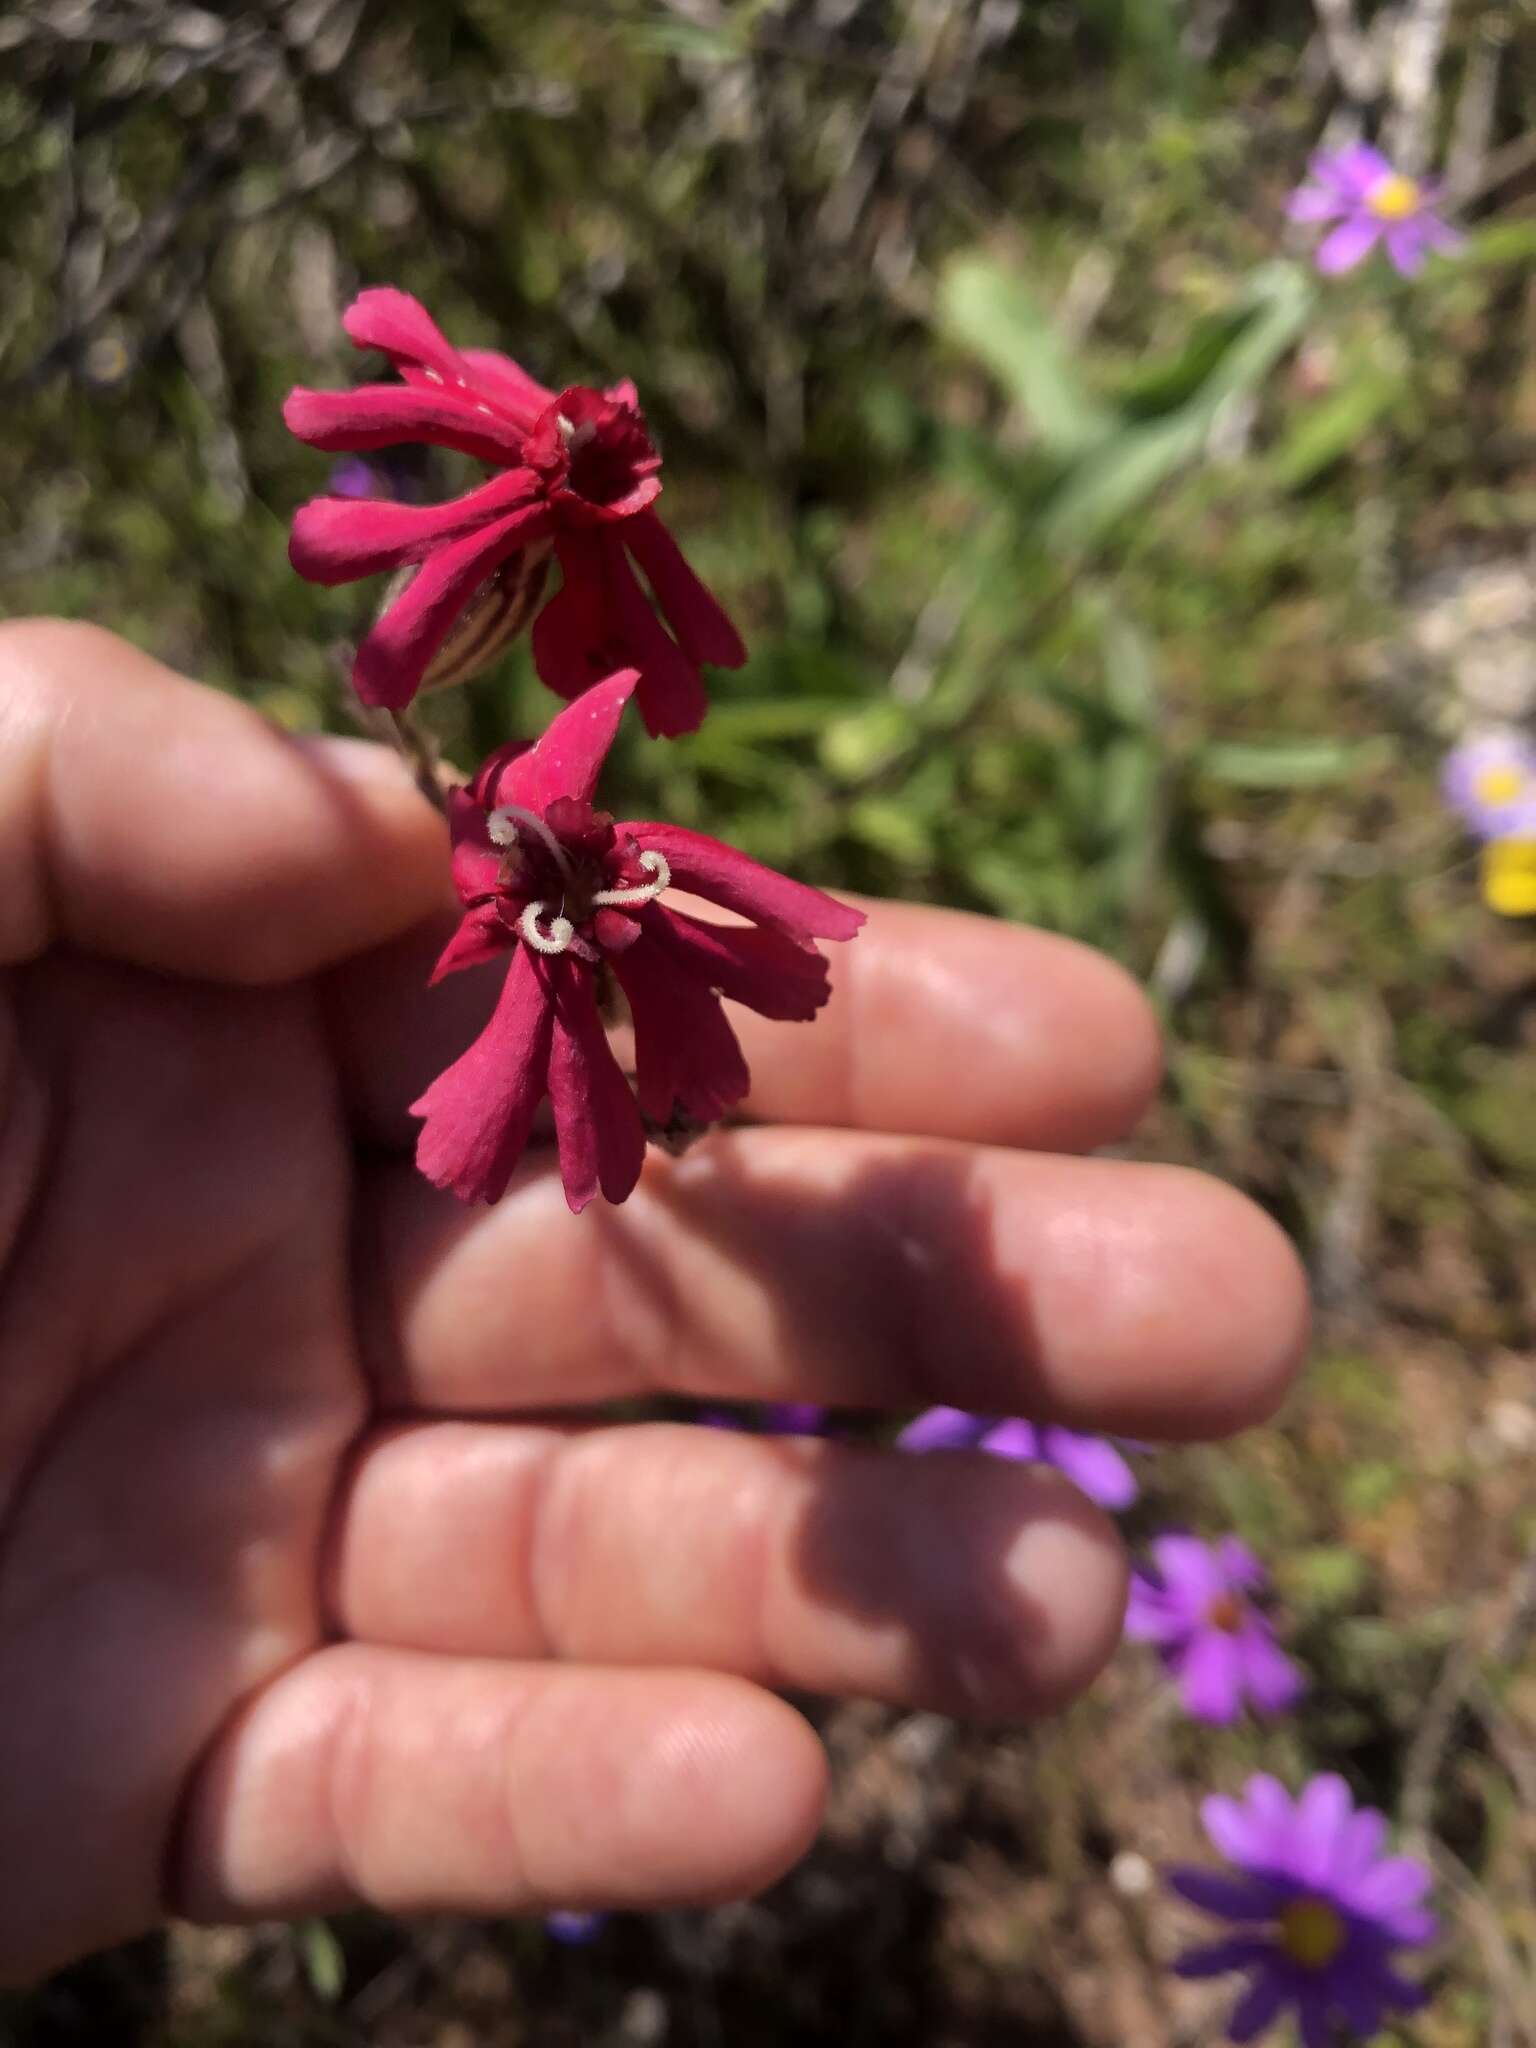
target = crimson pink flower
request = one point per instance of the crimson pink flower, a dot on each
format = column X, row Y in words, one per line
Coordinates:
column 573, row 897
column 574, row 473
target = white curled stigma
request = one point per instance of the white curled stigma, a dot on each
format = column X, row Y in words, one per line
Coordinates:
column 501, row 827
column 556, row 940
column 655, row 864
column 561, row 934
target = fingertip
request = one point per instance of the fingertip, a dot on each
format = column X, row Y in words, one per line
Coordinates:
column 1069, row 1551
column 1125, row 1051
column 753, row 1775
column 1197, row 1301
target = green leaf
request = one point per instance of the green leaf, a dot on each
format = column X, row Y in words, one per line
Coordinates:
column 1291, row 764
column 1499, row 244
column 323, row 1958
column 861, row 742
column 684, row 39
column 1331, row 427
column 893, row 829
column 1112, row 480
column 1130, row 669
column 1328, row 1577
column 989, row 310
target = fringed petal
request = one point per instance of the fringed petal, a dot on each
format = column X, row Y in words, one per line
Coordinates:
column 477, row 1115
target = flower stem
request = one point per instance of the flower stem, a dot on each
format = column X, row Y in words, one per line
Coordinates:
column 416, row 747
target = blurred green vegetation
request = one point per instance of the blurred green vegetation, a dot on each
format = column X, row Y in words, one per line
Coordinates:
column 1078, row 533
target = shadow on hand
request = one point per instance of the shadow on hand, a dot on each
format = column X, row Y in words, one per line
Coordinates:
column 951, row 1579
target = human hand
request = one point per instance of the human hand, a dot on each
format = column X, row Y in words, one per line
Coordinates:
column 314, row 1587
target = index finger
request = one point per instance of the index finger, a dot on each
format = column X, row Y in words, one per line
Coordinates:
column 147, row 818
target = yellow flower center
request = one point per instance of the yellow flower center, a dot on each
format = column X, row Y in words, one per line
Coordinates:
column 1394, row 197
column 1500, row 785
column 1311, row 1933
column 1226, row 1613
column 1509, row 877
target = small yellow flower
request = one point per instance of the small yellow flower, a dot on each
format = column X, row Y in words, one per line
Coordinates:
column 1509, row 877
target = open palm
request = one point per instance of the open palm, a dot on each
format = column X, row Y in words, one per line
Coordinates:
column 314, row 1583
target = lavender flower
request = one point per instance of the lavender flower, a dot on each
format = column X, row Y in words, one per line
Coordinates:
column 1196, row 1608
column 1092, row 1464
column 388, row 473
column 574, row 1930
column 1371, row 202
column 1318, row 1910
column 1490, row 780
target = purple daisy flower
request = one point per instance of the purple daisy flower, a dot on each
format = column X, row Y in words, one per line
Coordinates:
column 1318, row 1909
column 1092, row 1464
column 574, row 1930
column 1197, row 1607
column 1489, row 779
column 1371, row 202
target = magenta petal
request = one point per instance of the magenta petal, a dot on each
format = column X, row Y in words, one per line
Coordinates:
column 711, row 869
column 1093, row 1465
column 1354, row 169
column 1312, row 203
column 1254, row 1830
column 1439, row 234
column 671, row 697
column 1013, row 1438
column 1350, row 243
column 571, row 635
column 1396, row 1881
column 1259, row 2007
column 507, row 384
column 379, row 415
column 337, row 540
column 1218, row 1958
column 1149, row 1618
column 478, row 1114
column 701, row 626
column 1272, row 1682
column 395, row 655
column 1323, row 1812
column 481, row 936
column 568, row 759
column 476, row 862
column 943, row 1429
column 1239, row 1565
column 597, row 1121
column 1229, row 1898
column 1315, row 2020
column 1405, row 247
column 1210, row 1677
column 1362, row 1842
column 777, row 976
column 685, row 1052
column 392, row 321
column 1190, row 1570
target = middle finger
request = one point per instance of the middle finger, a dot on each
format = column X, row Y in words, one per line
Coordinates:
column 847, row 1268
